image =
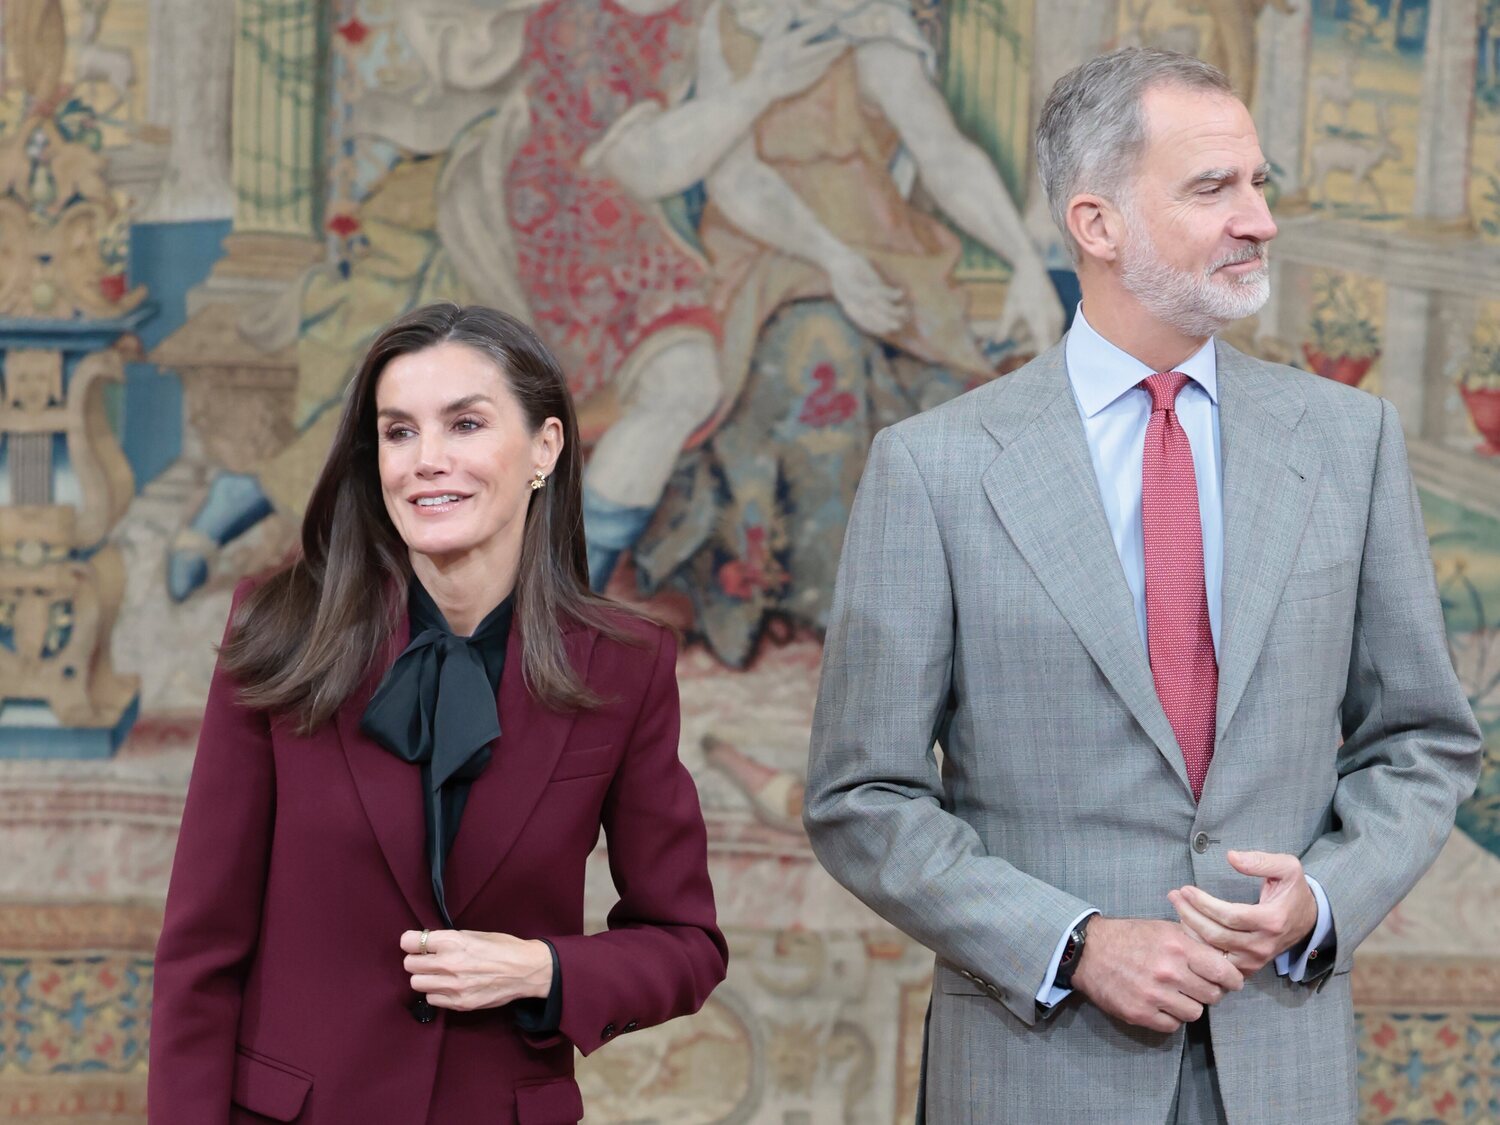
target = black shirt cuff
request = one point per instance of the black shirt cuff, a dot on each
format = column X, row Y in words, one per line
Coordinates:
column 542, row 1017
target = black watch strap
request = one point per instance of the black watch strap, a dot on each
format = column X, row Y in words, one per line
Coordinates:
column 1072, row 954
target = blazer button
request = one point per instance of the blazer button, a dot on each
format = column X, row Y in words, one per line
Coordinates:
column 608, row 1032
column 421, row 1010
column 1200, row 843
column 631, row 1026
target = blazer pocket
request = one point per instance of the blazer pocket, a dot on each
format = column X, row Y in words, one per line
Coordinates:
column 554, row 1102
column 268, row 1087
column 1304, row 585
column 584, row 763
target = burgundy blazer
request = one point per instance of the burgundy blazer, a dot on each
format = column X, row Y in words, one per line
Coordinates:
column 279, row 991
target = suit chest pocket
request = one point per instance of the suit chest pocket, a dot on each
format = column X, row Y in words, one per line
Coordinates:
column 1320, row 582
column 595, row 761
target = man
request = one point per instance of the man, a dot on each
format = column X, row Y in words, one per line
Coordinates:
column 1170, row 613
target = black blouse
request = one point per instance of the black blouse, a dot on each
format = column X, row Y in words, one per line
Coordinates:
column 437, row 708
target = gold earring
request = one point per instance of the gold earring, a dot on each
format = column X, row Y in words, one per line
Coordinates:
column 538, row 481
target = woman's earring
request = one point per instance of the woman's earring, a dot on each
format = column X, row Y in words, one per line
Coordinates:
column 538, row 481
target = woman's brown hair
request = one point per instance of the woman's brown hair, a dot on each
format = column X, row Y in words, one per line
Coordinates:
column 305, row 639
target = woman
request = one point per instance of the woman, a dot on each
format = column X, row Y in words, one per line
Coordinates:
column 412, row 739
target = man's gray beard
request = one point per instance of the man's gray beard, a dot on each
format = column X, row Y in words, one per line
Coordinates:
column 1197, row 305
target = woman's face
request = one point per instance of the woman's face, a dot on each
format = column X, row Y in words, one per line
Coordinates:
column 457, row 456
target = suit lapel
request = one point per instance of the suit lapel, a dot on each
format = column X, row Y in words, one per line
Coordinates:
column 503, row 797
column 1271, row 474
column 390, row 791
column 1043, row 488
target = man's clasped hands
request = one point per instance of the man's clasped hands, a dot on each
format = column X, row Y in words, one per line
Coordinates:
column 1160, row 975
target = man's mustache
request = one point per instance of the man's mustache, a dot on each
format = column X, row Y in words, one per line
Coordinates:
column 1254, row 251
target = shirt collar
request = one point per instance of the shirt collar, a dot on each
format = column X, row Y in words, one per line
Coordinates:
column 1101, row 373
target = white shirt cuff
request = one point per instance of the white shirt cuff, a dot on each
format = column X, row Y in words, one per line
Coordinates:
column 1048, row 995
column 1297, row 971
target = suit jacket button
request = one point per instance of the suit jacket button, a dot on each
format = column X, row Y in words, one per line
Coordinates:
column 631, row 1026
column 1200, row 843
column 608, row 1032
column 421, row 1010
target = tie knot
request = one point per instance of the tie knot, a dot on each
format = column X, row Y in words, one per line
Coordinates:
column 1164, row 386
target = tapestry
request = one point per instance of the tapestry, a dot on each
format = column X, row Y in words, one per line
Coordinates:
column 208, row 208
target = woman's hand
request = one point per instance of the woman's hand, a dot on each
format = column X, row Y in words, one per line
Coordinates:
column 1032, row 302
column 863, row 294
column 791, row 58
column 465, row 970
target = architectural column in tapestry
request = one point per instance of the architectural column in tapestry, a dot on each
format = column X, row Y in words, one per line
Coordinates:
column 1443, row 140
column 1476, row 349
column 237, row 354
column 191, row 53
column 279, row 96
column 986, row 80
column 1281, row 94
column 1417, row 354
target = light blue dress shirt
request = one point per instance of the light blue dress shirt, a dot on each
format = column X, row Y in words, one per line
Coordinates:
column 1115, row 411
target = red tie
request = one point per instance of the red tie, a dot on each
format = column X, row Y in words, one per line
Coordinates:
column 1178, row 636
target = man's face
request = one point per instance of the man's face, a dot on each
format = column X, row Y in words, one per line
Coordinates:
column 1196, row 219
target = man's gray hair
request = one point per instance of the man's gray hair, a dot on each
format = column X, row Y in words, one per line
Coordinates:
column 1093, row 127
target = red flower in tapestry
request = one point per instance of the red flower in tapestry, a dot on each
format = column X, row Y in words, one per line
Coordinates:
column 824, row 407
column 353, row 32
column 343, row 224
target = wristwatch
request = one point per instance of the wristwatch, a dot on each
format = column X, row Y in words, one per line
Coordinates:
column 1072, row 954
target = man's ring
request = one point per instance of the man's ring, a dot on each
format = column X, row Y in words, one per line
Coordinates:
column 422, row 948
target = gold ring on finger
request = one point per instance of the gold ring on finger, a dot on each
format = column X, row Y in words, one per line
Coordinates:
column 422, row 948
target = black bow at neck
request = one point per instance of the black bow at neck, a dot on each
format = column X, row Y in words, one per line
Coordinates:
column 437, row 708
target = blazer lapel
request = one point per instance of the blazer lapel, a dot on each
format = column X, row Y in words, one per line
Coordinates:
column 1271, row 474
column 504, row 795
column 1043, row 488
column 391, row 792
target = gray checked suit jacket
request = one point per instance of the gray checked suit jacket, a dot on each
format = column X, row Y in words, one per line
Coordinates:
column 981, row 605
